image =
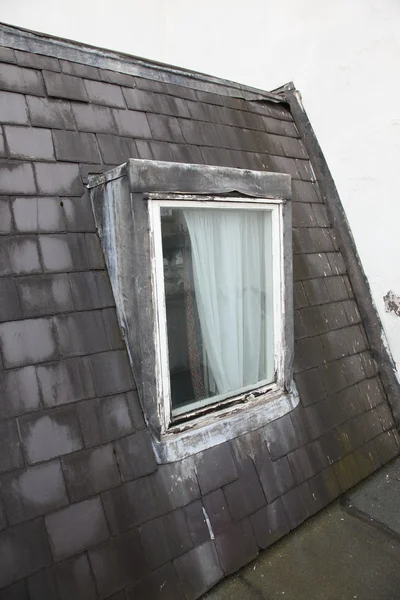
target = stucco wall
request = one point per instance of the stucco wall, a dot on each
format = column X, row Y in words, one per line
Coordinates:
column 344, row 57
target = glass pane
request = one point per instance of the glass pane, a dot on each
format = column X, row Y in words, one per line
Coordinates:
column 219, row 302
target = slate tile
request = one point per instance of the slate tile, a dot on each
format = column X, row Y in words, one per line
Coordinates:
column 245, row 495
column 350, row 436
column 3, row 151
column 280, row 437
column 78, row 213
column 65, row 252
column 293, row 147
column 367, row 459
column 16, row 591
column 104, row 93
column 236, row 546
column 94, row 252
column 10, row 450
column 321, row 215
column 38, row 214
column 132, row 123
column 309, row 353
column 19, row 392
column 44, row 294
column 198, row 570
column 386, row 417
column 68, row 87
column 96, row 119
column 347, row 473
column 352, row 312
column 76, row 147
column 79, row 70
column 7, row 55
column 27, row 342
column 178, row 480
column 117, row 150
column 69, row 579
column 335, row 315
column 196, row 522
column 37, row 61
column 76, row 528
column 161, row 151
column 299, row 297
column 118, row 563
column 307, row 461
column 24, row 549
column 135, row 456
column 162, row 584
column 269, row 524
column 370, row 424
column 310, row 266
column 60, row 179
column 65, row 382
column 387, row 446
column 186, row 154
column 217, row 511
column 104, row 419
column 314, row 320
column 300, row 330
column 215, row 468
column 19, row 79
column 13, row 109
column 210, row 98
column 276, row 476
column 113, row 331
column 10, row 307
column 306, row 424
column 6, row 225
column 117, row 78
column 16, row 178
column 91, row 289
column 338, row 288
column 33, row 492
column 90, row 471
column 50, row 434
column 23, row 254
column 111, row 372
column 316, row 291
column 144, row 149
column 356, row 340
column 333, row 376
column 198, row 133
column 334, row 343
column 47, row 112
column 369, row 364
column 175, row 90
column 298, row 504
column 81, row 333
column 337, row 263
column 305, row 191
column 324, row 487
column 305, row 170
column 86, row 170
column 281, row 164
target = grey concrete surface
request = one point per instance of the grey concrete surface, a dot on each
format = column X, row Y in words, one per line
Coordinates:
column 349, row 551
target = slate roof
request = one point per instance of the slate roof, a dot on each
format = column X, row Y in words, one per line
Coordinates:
column 85, row 511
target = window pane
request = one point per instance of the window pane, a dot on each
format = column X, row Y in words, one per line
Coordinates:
column 219, row 302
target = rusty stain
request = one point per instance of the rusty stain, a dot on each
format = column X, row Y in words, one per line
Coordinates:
column 392, row 303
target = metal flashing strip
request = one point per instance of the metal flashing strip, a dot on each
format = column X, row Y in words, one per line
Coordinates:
column 38, row 43
column 358, row 279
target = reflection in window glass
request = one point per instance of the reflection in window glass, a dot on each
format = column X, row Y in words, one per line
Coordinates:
column 218, row 293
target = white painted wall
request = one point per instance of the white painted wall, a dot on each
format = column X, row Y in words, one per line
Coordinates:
column 344, row 57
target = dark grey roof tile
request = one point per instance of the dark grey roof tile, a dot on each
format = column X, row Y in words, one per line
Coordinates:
column 38, row 214
column 198, row 570
column 113, row 331
column 199, row 133
column 111, row 372
column 88, row 169
column 19, row 255
column 371, row 392
column 135, row 456
column 178, row 90
column 60, row 179
column 89, row 472
column 304, row 191
column 91, row 289
column 161, row 151
column 65, row 381
column 273, row 125
column 94, row 252
column 117, row 78
column 300, row 299
column 78, row 213
column 19, row 79
column 47, row 112
column 104, row 93
column 104, row 419
column 160, row 583
column 44, row 294
column 46, row 435
column 282, row 164
column 290, row 129
column 338, row 288
column 236, row 546
column 309, row 353
column 307, row 461
column 210, row 98
column 321, row 215
column 81, row 333
column 298, row 504
column 16, row 591
column 217, row 511
column 203, row 112
column 29, row 548
column 335, row 345
column 186, row 154
column 147, row 101
column 132, row 123
column 310, row 387
column 269, row 524
column 165, row 128
column 68, row 87
column 79, row 70
column 337, row 263
column 387, row 446
column 68, row 579
column 143, row 149
column 10, row 450
column 310, row 266
column 3, row 152
column 305, row 170
column 10, row 307
column 97, row 119
column 33, row 492
column 76, row 147
column 16, row 178
column 245, row 495
column 64, row 252
column 118, row 563
column 196, row 523
column 29, row 143
column 19, row 392
column 180, row 480
column 316, row 291
column 293, row 147
column 151, row 85
column 117, row 150
column 27, row 342
column 215, row 468
column 7, row 55
column 13, row 109
column 6, row 224
column 235, row 103
column 347, row 472
column 76, row 528
column 37, row 61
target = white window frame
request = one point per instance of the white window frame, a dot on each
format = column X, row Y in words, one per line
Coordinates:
column 258, row 392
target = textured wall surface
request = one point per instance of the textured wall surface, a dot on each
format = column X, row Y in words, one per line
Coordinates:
column 85, row 512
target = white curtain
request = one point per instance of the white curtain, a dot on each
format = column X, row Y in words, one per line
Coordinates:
column 230, row 260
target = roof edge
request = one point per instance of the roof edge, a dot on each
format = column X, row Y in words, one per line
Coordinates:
column 18, row 38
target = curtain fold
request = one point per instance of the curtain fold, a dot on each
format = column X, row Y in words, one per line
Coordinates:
column 229, row 267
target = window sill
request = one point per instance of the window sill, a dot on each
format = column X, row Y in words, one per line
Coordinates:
column 210, row 430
